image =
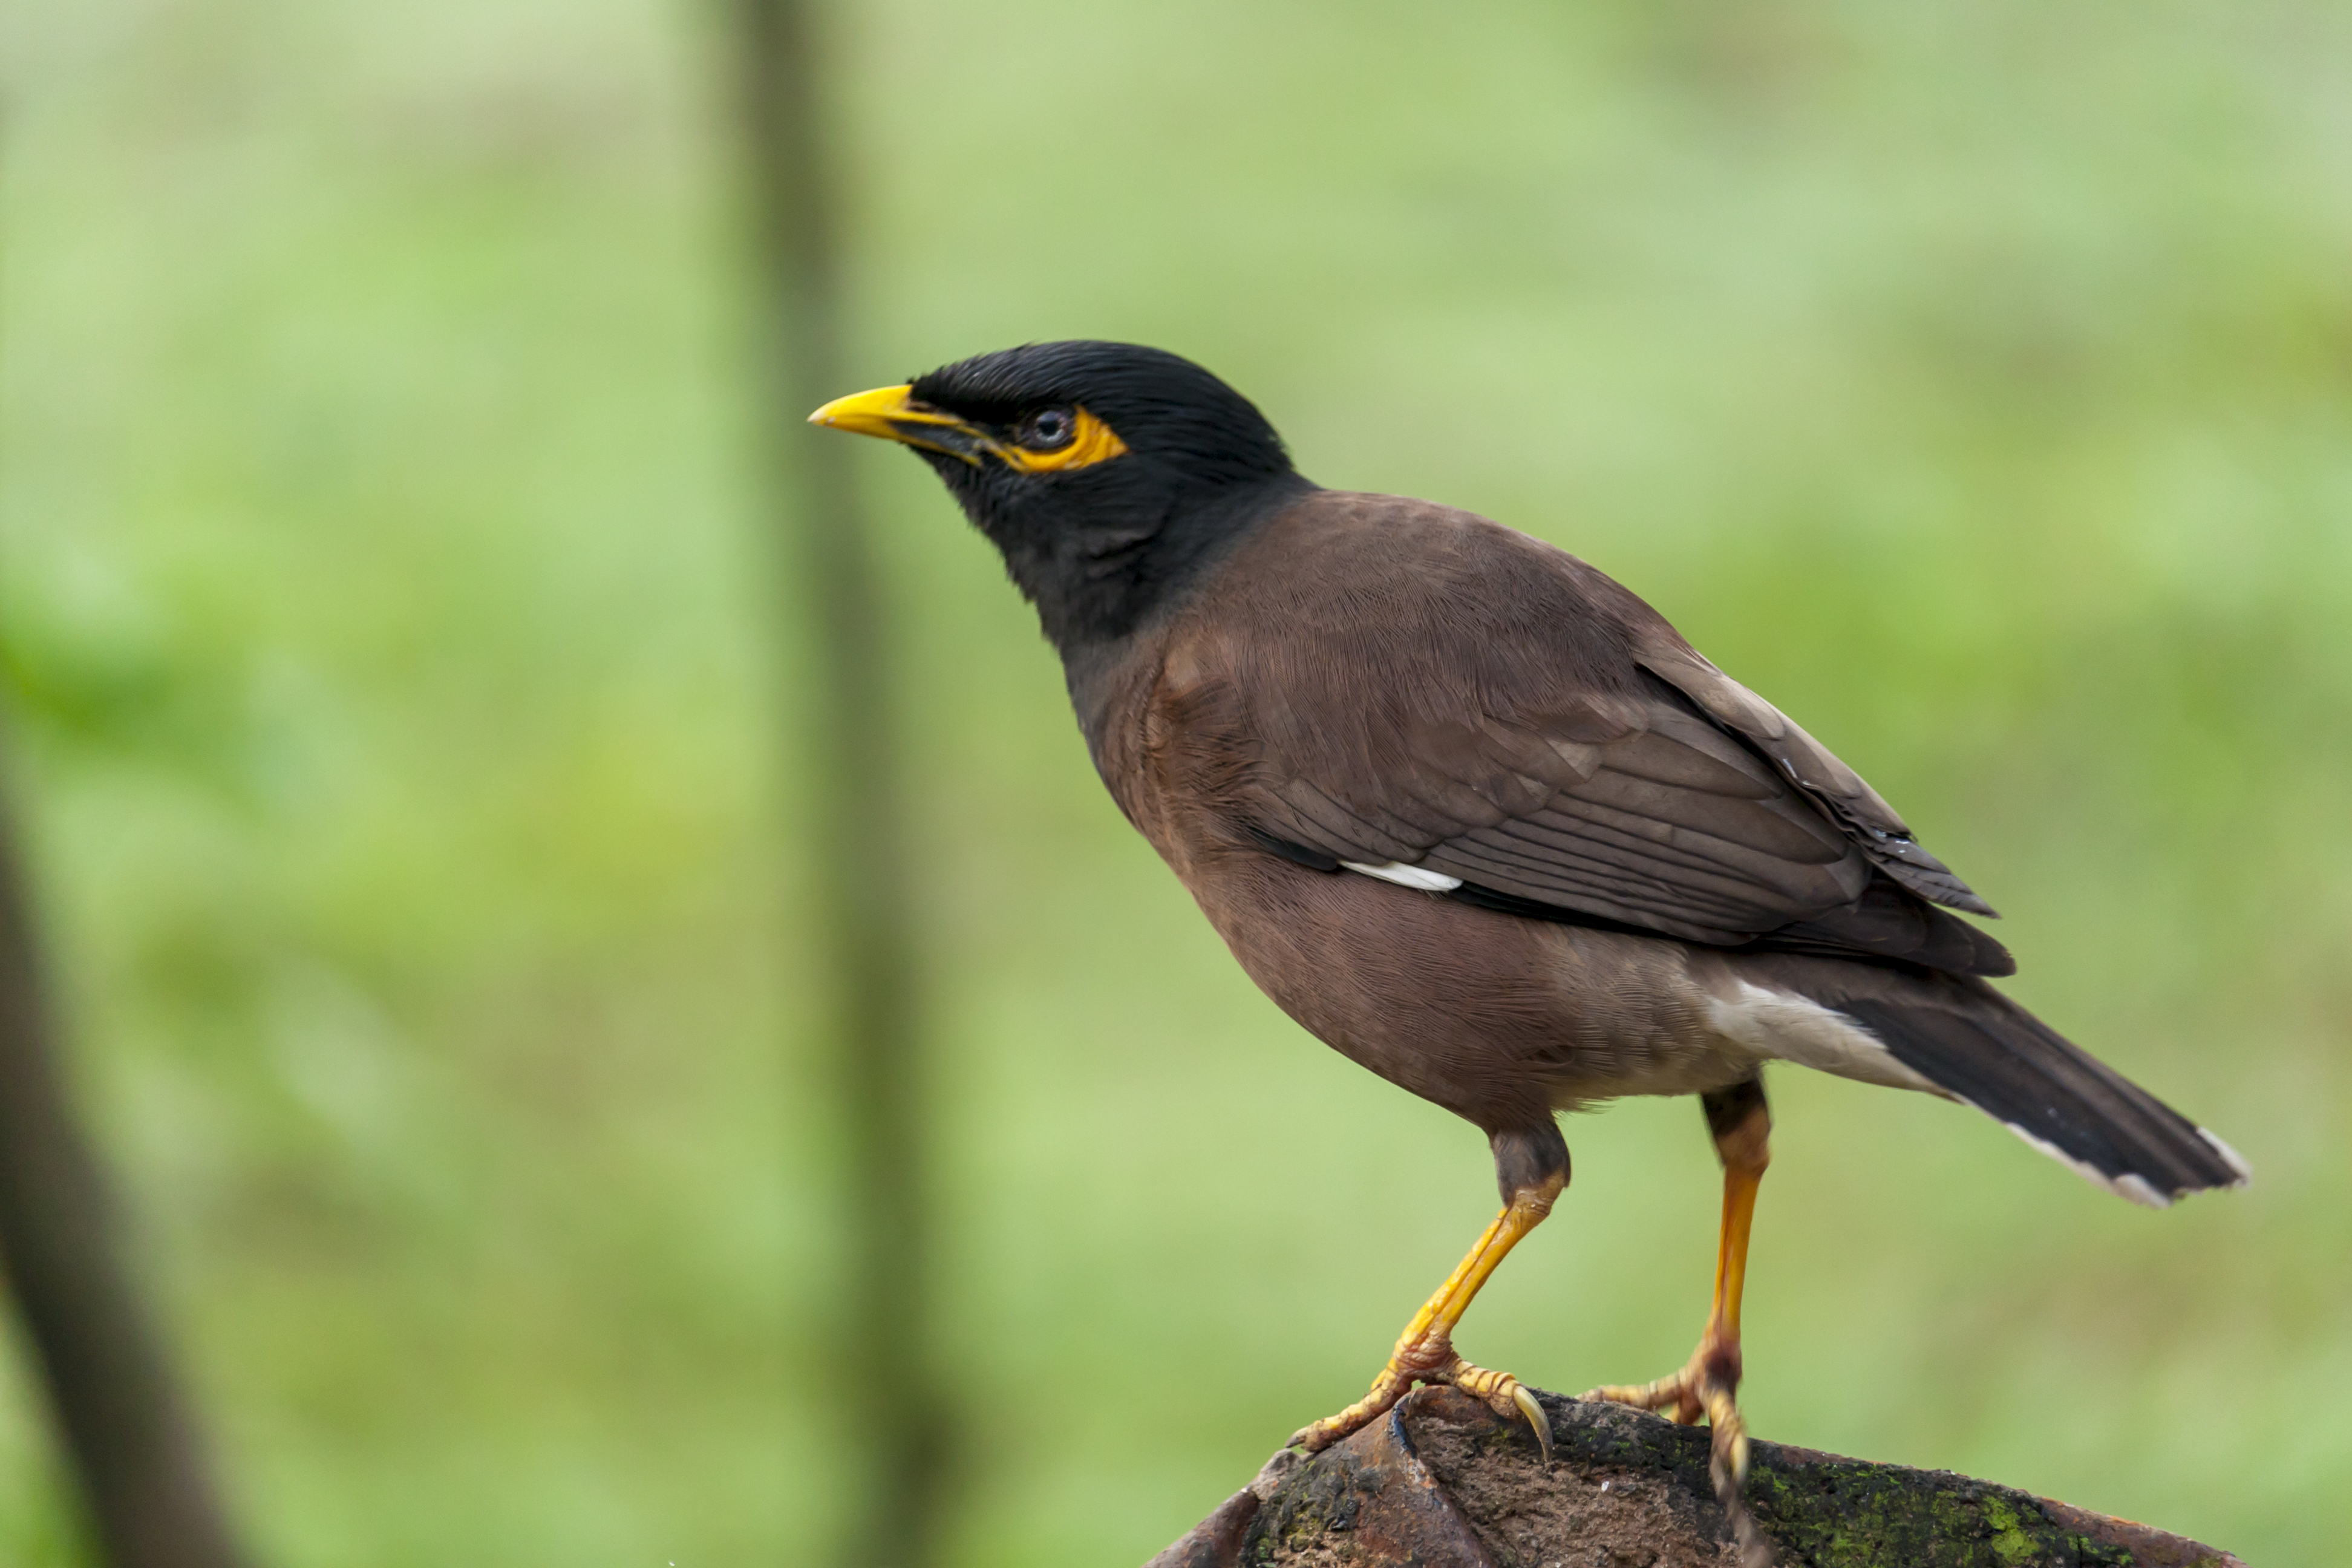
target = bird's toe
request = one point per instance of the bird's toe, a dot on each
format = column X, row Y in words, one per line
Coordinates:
column 1678, row 1398
column 1506, row 1395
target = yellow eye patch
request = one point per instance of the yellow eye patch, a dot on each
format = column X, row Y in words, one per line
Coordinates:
column 1092, row 442
column 891, row 413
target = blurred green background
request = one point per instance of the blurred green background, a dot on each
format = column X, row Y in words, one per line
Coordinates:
column 400, row 706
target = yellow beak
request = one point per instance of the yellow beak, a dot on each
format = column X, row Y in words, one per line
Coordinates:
column 891, row 413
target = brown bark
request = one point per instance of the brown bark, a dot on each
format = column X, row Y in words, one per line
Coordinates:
column 127, row 1433
column 1442, row 1481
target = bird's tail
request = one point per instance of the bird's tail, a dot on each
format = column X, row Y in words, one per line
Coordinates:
column 1978, row 1046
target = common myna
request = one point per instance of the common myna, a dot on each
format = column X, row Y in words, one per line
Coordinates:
column 1480, row 820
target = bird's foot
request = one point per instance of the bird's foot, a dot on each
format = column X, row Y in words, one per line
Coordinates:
column 1706, row 1389
column 1428, row 1359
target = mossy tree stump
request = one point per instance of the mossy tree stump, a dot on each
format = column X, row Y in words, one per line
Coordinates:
column 1442, row 1481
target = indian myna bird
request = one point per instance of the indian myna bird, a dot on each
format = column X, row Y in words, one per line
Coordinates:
column 1480, row 820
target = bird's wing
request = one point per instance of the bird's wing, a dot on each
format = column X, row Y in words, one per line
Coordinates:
column 1837, row 789
column 1640, row 813
column 1455, row 706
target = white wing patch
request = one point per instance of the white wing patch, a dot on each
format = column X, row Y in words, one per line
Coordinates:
column 1792, row 1028
column 1407, row 876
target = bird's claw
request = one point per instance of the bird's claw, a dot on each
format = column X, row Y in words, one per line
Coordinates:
column 1696, row 1394
column 1506, row 1395
column 1431, row 1362
column 1536, row 1418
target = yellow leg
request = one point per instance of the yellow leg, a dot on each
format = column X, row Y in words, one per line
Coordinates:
column 1424, row 1352
column 1709, row 1386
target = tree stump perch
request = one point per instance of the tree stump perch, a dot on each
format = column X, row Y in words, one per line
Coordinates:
column 1442, row 1481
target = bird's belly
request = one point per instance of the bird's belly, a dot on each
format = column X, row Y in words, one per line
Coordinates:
column 1499, row 1019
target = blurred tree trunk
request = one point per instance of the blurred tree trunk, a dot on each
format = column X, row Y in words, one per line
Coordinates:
column 850, row 807
column 126, row 1429
column 128, row 1439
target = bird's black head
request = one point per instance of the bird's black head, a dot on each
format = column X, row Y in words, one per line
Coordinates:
column 1108, row 474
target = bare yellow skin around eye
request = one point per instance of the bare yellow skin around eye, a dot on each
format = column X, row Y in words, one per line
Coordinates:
column 889, row 413
column 1093, row 442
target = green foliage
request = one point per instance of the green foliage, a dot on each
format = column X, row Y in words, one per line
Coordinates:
column 397, row 685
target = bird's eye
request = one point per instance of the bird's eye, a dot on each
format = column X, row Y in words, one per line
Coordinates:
column 1046, row 429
